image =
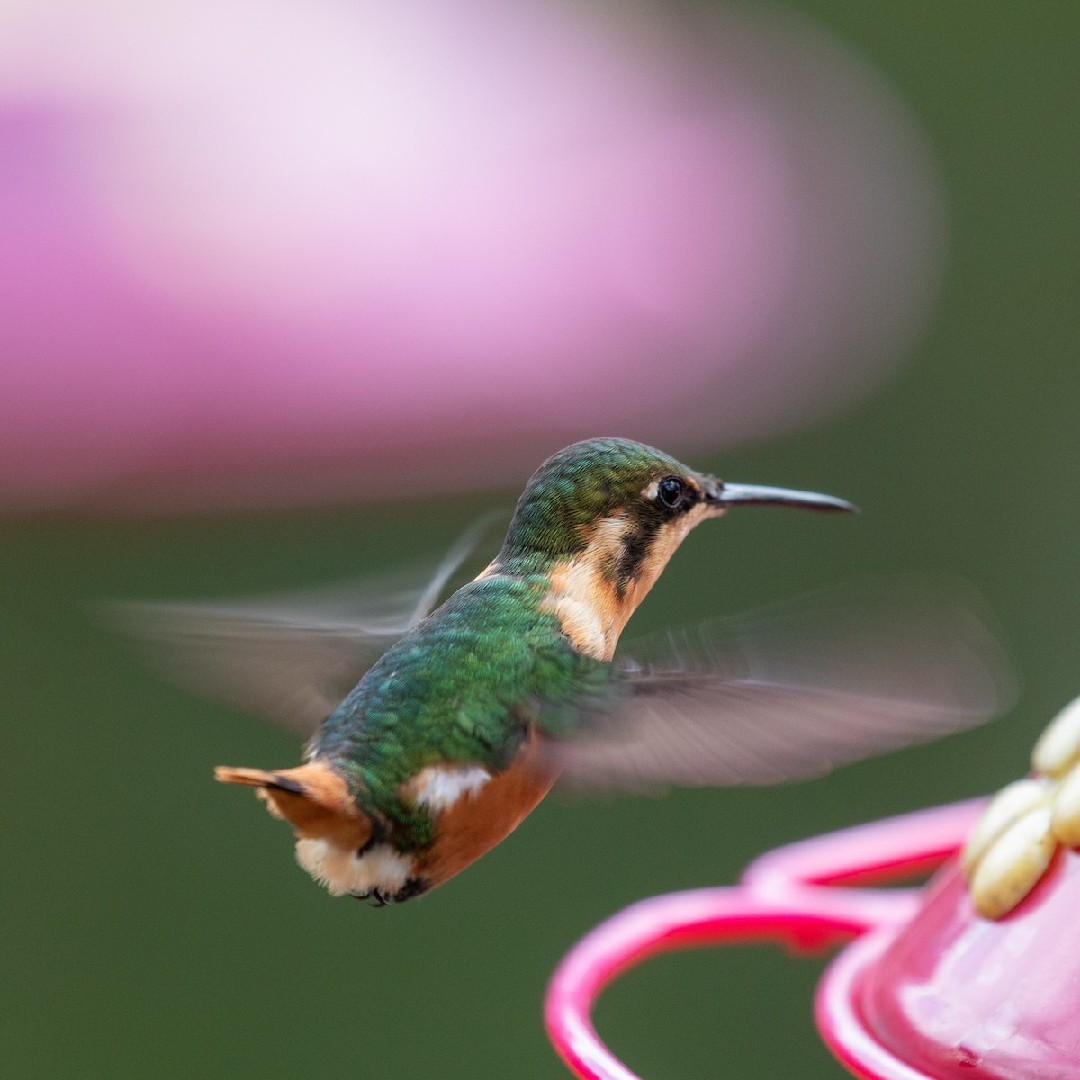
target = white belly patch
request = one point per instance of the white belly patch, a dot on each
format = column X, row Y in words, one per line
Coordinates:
column 439, row 787
column 344, row 873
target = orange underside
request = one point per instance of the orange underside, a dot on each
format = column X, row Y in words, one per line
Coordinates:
column 479, row 820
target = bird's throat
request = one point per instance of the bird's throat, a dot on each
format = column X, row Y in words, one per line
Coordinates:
column 594, row 592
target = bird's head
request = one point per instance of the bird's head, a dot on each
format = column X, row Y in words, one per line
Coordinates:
column 622, row 508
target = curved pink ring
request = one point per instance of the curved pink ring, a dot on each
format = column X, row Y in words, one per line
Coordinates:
column 796, row 895
column 838, row 1018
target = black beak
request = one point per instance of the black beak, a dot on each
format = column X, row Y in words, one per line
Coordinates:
column 720, row 494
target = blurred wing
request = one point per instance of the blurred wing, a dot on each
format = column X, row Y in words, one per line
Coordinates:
column 291, row 658
column 791, row 694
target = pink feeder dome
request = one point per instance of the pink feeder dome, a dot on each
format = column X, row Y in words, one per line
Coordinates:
column 958, row 997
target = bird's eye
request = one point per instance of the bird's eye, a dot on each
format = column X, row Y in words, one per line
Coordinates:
column 670, row 492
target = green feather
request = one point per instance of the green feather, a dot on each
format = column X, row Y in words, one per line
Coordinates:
column 460, row 689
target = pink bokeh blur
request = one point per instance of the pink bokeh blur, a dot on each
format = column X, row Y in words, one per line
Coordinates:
column 261, row 253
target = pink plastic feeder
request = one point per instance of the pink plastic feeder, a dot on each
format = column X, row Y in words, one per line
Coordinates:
column 928, row 988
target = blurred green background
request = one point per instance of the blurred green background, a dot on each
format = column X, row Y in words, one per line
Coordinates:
column 153, row 922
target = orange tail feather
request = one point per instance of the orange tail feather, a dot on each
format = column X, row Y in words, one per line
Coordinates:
column 312, row 798
column 250, row 777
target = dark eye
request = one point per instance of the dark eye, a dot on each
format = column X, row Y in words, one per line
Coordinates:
column 670, row 492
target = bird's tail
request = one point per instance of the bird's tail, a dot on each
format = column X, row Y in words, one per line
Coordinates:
column 313, row 798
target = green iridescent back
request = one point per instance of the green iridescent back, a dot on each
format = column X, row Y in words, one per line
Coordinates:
column 459, row 688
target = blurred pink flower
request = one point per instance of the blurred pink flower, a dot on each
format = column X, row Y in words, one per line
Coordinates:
column 280, row 251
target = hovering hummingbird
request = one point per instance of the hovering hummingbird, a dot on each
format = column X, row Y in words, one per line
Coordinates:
column 475, row 709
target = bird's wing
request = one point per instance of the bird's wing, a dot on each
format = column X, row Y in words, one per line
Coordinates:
column 290, row 658
column 789, row 694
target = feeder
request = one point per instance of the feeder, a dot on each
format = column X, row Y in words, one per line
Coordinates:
column 974, row 977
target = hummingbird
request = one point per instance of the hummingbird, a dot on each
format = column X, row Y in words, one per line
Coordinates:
column 468, row 713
